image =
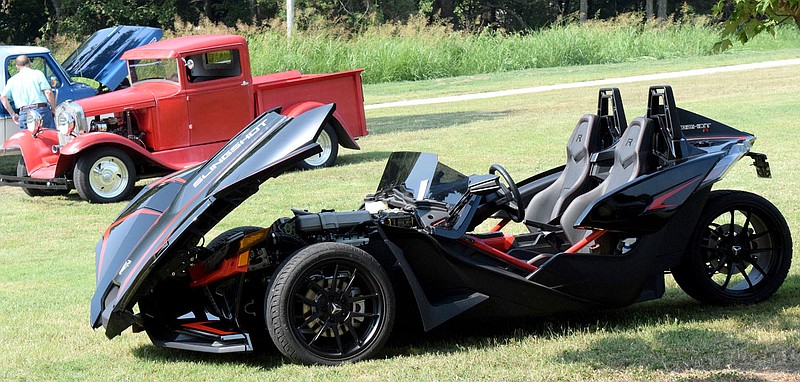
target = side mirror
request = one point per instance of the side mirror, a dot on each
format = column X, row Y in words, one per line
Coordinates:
column 54, row 83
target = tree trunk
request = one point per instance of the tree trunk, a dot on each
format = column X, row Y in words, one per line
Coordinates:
column 662, row 10
column 57, row 17
column 648, row 10
column 584, row 13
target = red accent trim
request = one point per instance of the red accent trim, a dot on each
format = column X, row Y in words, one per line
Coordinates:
column 501, row 243
column 203, row 327
column 658, row 203
column 500, row 225
column 711, row 138
column 586, row 240
column 483, row 246
column 108, row 231
column 227, row 268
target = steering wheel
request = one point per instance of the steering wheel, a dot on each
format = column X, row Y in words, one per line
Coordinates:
column 518, row 215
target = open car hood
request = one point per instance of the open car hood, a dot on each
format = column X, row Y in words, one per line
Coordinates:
column 99, row 57
column 178, row 210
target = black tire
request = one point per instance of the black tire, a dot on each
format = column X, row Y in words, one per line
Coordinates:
column 329, row 303
column 104, row 175
column 740, row 252
column 23, row 171
column 330, row 149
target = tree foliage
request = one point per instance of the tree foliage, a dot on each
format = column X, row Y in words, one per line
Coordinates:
column 24, row 21
column 747, row 18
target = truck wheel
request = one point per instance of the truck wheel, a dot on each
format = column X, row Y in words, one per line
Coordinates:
column 740, row 252
column 329, row 303
column 105, row 175
column 330, row 149
column 23, row 171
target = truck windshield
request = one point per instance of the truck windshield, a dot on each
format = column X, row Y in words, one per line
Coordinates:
column 153, row 69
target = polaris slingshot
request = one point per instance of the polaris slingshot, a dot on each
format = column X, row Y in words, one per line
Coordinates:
column 632, row 203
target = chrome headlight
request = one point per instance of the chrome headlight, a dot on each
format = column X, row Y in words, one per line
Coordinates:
column 70, row 121
column 33, row 120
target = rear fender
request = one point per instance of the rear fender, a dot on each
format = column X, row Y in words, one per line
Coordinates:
column 345, row 139
column 646, row 204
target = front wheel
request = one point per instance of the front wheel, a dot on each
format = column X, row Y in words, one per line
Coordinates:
column 740, row 252
column 330, row 303
column 22, row 171
column 329, row 142
column 105, row 175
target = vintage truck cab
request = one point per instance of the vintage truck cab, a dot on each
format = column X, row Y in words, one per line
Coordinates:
column 97, row 59
column 188, row 97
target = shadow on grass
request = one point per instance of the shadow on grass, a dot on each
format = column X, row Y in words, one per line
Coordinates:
column 668, row 349
column 421, row 122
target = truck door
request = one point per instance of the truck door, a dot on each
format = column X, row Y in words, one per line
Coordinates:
column 219, row 97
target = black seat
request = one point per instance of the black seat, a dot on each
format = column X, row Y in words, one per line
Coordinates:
column 549, row 203
column 631, row 159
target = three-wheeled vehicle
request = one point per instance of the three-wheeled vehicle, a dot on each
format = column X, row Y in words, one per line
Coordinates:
column 632, row 203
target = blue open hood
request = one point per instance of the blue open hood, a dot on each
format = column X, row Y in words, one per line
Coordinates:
column 99, row 57
column 179, row 209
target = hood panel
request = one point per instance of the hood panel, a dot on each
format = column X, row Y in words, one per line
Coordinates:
column 172, row 214
column 136, row 97
column 99, row 57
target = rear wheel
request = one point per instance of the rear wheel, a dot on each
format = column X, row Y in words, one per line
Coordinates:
column 330, row 303
column 740, row 252
column 329, row 142
column 105, row 175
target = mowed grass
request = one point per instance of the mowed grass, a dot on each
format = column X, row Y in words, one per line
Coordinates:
column 47, row 260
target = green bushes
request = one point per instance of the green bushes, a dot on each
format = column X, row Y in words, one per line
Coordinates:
column 415, row 52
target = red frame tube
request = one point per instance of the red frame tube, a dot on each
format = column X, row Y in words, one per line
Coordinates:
column 588, row 239
column 479, row 244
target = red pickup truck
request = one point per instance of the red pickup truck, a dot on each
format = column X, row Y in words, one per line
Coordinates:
column 188, row 96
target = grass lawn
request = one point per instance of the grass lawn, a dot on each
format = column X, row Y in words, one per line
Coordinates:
column 47, row 251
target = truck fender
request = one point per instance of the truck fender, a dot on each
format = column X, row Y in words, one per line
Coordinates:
column 345, row 139
column 87, row 141
column 35, row 151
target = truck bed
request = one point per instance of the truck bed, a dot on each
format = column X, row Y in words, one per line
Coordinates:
column 292, row 87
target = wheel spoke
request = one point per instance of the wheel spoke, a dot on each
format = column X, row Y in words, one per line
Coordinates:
column 309, row 320
column 758, row 235
column 307, row 300
column 762, row 250
column 756, row 266
column 733, row 221
column 334, row 284
column 728, row 277
column 746, row 222
column 338, row 340
column 353, row 333
column 350, row 282
column 362, row 297
column 367, row 315
column 312, row 284
column 319, row 333
column 720, row 264
column 746, row 277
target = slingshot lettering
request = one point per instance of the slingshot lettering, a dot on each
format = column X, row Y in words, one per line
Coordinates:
column 227, row 154
column 124, row 267
column 697, row 126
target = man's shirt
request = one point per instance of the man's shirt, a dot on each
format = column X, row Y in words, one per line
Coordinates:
column 27, row 87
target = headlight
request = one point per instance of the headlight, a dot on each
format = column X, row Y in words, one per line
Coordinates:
column 34, row 121
column 70, row 121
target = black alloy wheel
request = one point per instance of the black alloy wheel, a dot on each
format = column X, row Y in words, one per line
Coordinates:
column 330, row 303
column 740, row 252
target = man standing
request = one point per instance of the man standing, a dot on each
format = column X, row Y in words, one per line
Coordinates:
column 30, row 91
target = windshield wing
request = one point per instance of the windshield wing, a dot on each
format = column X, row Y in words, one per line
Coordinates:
column 421, row 177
